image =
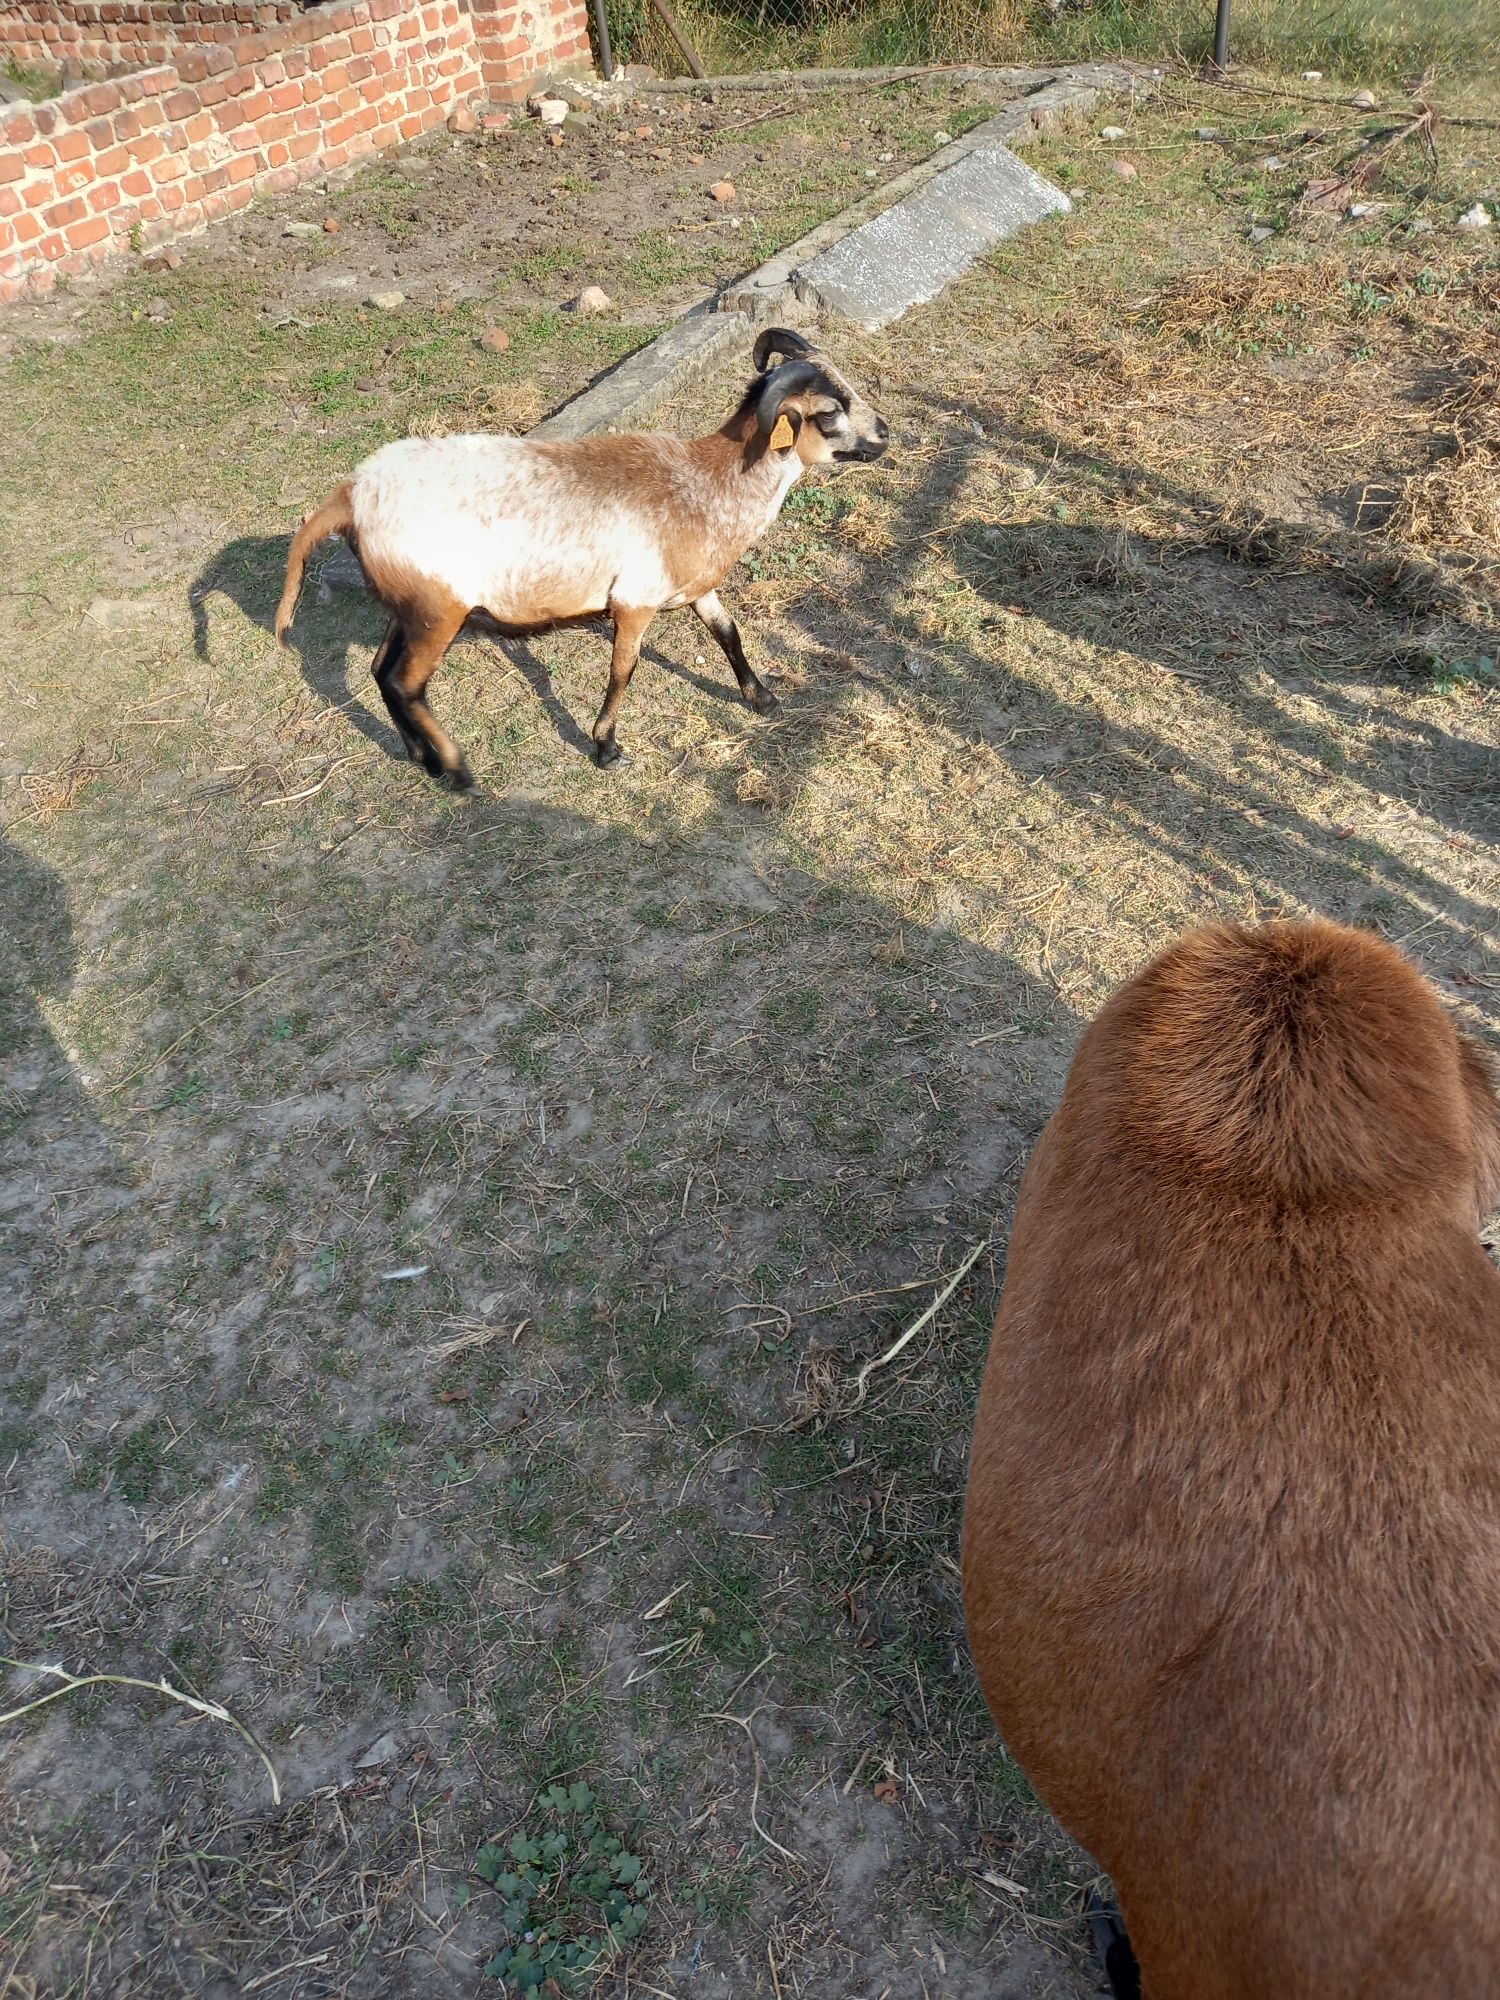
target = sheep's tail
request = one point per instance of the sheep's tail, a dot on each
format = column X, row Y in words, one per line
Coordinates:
column 334, row 517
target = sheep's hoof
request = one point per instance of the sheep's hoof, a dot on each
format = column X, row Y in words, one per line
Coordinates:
column 763, row 701
column 461, row 778
column 607, row 753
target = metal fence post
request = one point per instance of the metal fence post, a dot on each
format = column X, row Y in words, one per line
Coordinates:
column 1221, row 39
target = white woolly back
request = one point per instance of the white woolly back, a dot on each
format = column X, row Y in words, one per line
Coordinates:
column 504, row 523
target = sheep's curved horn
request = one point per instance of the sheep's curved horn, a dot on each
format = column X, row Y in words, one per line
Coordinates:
column 777, row 340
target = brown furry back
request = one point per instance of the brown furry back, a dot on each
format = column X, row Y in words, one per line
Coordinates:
column 1232, row 1545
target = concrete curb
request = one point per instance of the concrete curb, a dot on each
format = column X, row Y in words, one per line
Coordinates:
column 973, row 192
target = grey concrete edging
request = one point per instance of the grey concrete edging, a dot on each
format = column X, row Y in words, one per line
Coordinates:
column 897, row 247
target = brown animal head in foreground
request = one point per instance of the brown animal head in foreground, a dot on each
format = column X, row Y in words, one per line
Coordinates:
column 1232, row 1544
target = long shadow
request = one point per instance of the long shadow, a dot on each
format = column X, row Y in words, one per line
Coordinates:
column 1070, row 580
column 249, row 571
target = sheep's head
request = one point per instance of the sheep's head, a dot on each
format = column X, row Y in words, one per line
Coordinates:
column 805, row 405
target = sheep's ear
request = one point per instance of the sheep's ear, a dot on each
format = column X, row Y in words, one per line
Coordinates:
column 778, row 340
column 782, row 433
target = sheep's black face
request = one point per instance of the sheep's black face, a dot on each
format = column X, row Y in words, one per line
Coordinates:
column 840, row 428
column 831, row 421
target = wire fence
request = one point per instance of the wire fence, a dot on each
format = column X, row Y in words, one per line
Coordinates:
column 1371, row 41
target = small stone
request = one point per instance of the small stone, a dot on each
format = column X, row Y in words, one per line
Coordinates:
column 1270, row 164
column 1112, row 132
column 386, row 302
column 1477, row 217
column 694, row 159
column 464, row 119
column 592, row 299
column 412, row 167
column 331, row 225
column 1358, row 210
column 871, row 175
column 1363, row 100
column 942, row 138
column 1312, row 76
column 494, row 122
column 366, row 384
column 843, row 145
column 644, row 131
column 1420, row 225
column 113, row 614
column 578, row 121
column 1123, row 168
column 722, row 191
column 1258, row 233
column 169, row 259
column 495, row 340
column 383, row 1750
column 303, row 229
column 1206, row 132
column 885, row 158
column 159, row 312
column 551, row 110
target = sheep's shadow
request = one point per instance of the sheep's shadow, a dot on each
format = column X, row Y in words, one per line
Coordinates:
column 249, row 571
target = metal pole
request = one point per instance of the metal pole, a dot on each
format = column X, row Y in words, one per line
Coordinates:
column 1221, row 40
column 606, row 54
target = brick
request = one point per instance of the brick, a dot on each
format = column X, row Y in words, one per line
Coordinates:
column 198, row 128
column 229, row 115
column 304, row 144
column 172, row 168
column 62, row 213
column 37, row 193
column 19, row 129
column 105, row 196
column 277, row 153
column 181, row 104
column 72, row 180
column 27, row 228
column 286, row 97
column 10, row 202
column 113, row 160
column 71, row 145
column 148, row 149
column 12, row 167
column 81, row 234
column 100, row 97
column 135, row 184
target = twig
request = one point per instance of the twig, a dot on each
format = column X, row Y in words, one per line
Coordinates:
column 72, row 1683
column 744, row 1722
column 861, row 1381
column 291, row 798
column 239, row 1000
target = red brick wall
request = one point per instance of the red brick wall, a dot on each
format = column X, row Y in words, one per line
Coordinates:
column 100, row 37
column 160, row 152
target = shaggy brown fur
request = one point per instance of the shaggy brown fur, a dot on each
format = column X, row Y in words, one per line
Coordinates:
column 1232, row 1545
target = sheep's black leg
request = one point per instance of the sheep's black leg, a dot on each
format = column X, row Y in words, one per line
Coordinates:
column 757, row 695
column 630, row 629
column 427, row 633
column 390, row 655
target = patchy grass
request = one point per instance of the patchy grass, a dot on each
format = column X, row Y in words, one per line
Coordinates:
column 679, row 1091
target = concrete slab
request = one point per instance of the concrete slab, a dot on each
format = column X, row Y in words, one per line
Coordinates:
column 632, row 393
column 909, row 253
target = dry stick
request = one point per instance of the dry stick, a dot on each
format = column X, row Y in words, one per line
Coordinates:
column 1364, row 171
column 882, row 1360
column 669, row 22
column 238, row 1001
column 744, row 1722
column 72, row 1683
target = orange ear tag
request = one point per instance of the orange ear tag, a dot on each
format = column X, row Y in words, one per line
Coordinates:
column 782, row 434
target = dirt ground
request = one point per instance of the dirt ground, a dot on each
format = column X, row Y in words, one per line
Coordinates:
column 441, row 1237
